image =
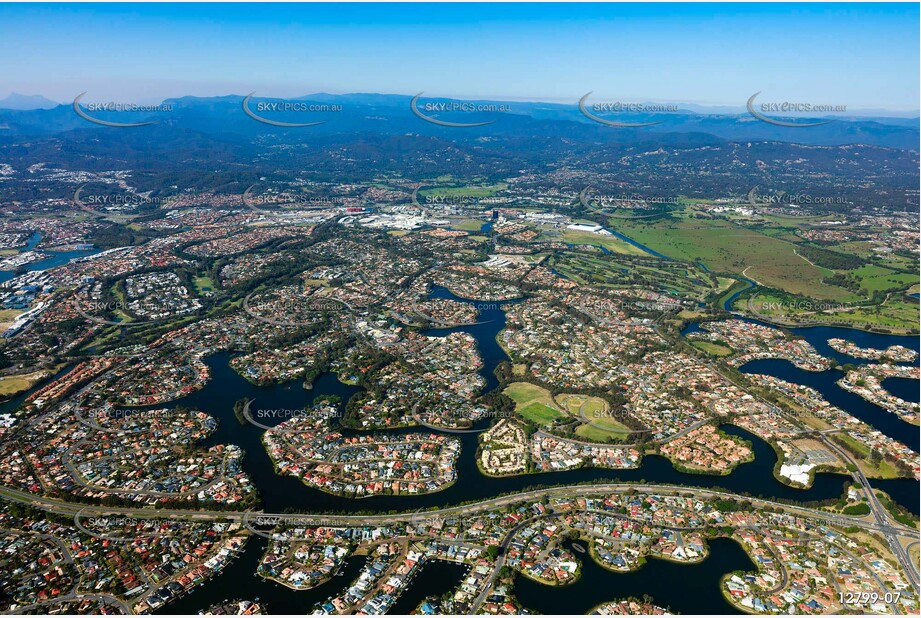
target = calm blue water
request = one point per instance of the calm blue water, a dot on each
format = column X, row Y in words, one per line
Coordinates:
column 279, row 493
column 727, row 304
column 239, row 581
column 682, row 588
column 55, row 258
column 825, row 383
column 818, row 336
column 490, row 321
column 907, row 492
column 903, row 388
column 436, row 577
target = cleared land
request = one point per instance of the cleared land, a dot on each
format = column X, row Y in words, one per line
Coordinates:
column 598, row 425
column 725, row 247
column 714, row 349
column 7, row 316
column 533, row 402
column 457, row 192
column 468, row 225
column 203, row 284
column 611, row 243
column 11, row 385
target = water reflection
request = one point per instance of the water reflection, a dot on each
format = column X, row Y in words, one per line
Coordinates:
column 683, row 588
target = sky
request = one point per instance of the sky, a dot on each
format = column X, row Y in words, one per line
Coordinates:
column 858, row 55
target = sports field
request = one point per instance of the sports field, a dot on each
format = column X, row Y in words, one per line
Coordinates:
column 598, row 424
column 533, row 402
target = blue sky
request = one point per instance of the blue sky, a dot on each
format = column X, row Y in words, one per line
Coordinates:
column 858, row 55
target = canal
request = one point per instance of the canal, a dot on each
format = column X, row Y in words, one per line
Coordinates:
column 55, row 258
column 434, row 579
column 238, row 580
column 682, row 588
column 280, row 493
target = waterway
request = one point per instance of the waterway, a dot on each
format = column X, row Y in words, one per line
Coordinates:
column 55, row 258
column 818, row 337
column 904, row 491
column 727, row 304
column 825, row 382
column 435, row 578
column 691, row 589
column 490, row 321
column 279, row 493
column 283, row 492
column 238, row 580
column 903, row 388
column 682, row 588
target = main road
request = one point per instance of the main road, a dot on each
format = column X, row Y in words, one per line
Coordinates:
column 892, row 530
column 62, row 507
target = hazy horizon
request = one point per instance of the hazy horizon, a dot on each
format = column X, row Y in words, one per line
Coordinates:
column 863, row 56
column 691, row 106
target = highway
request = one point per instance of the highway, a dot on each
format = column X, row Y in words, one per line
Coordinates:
column 881, row 521
column 889, row 528
column 73, row 508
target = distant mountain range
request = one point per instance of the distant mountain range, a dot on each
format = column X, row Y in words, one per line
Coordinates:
column 212, row 144
column 22, row 115
column 27, row 101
